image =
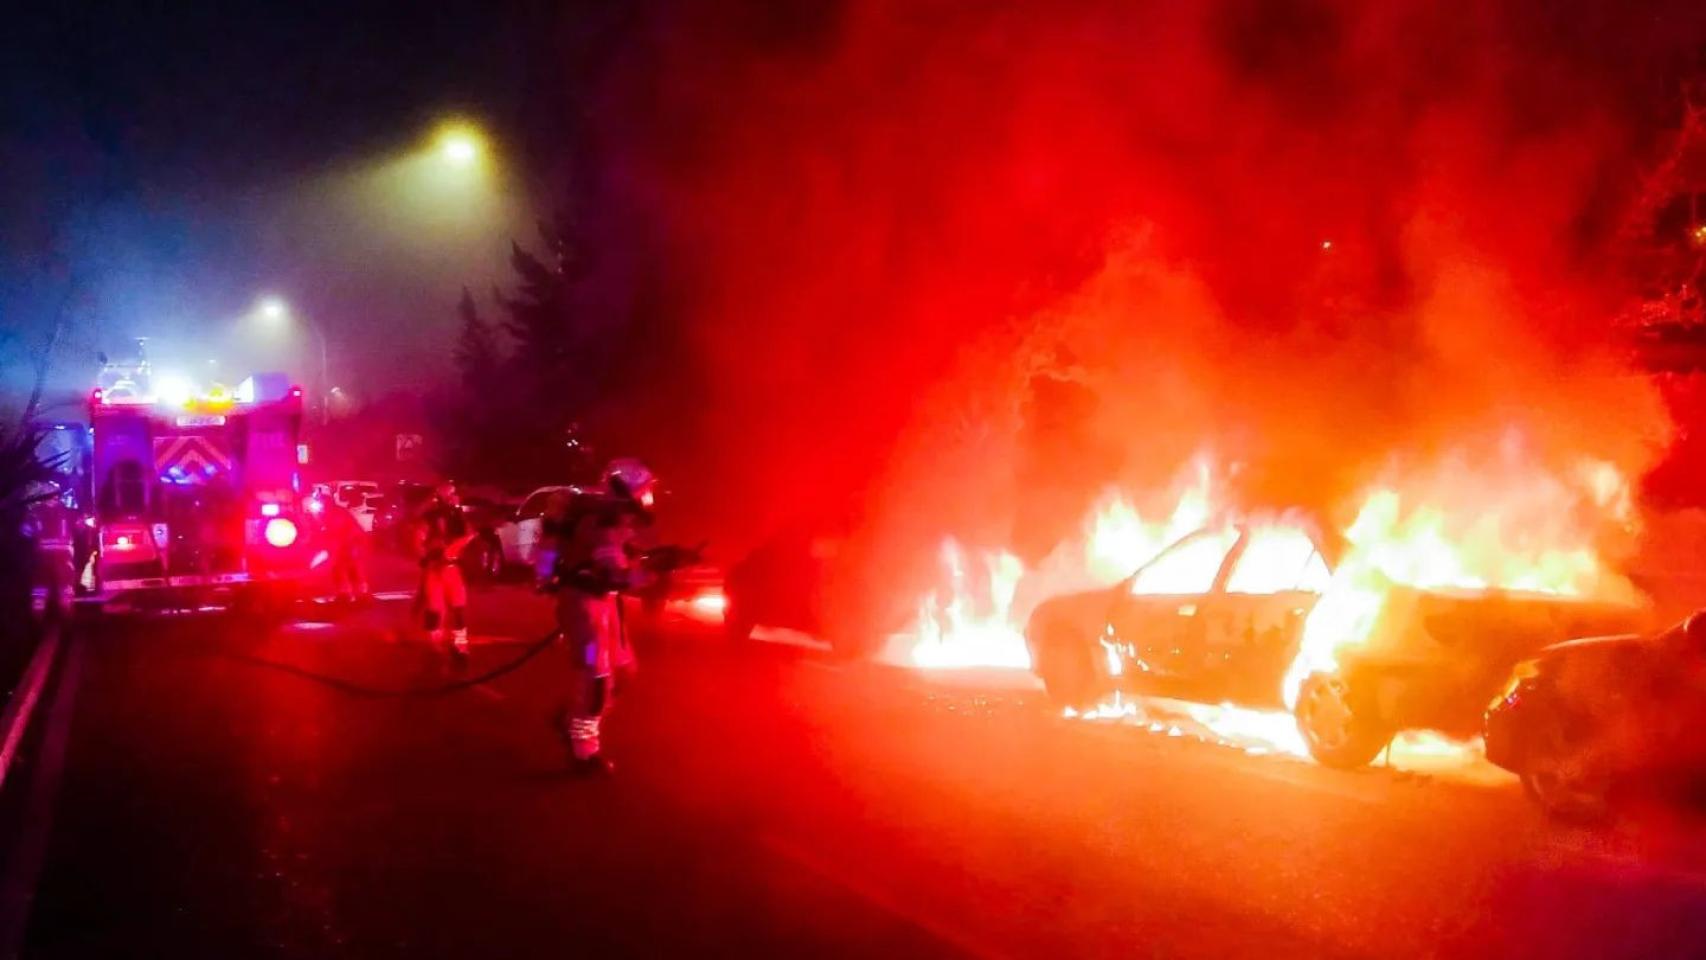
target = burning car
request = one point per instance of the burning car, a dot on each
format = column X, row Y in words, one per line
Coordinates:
column 1278, row 611
column 1584, row 720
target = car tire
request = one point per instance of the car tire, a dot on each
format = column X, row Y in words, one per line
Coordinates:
column 737, row 620
column 1070, row 673
column 1563, row 789
column 1332, row 730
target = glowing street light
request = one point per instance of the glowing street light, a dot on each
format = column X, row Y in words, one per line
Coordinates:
column 460, row 149
column 460, row 144
column 173, row 389
column 277, row 313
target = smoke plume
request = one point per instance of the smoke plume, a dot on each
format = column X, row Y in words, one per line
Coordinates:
column 1308, row 236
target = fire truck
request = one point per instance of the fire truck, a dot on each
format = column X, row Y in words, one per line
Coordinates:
column 195, row 497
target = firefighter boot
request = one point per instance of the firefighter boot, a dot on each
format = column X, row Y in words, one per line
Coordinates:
column 591, row 767
column 459, row 634
column 585, row 760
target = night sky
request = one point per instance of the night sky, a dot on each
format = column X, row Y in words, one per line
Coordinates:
column 181, row 159
column 854, row 215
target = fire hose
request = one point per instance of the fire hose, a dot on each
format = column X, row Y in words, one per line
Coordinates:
column 674, row 559
column 354, row 689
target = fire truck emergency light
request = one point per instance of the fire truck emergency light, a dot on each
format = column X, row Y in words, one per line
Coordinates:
column 280, row 532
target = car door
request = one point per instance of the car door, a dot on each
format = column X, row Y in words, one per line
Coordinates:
column 363, row 501
column 1253, row 623
column 527, row 530
column 1156, row 610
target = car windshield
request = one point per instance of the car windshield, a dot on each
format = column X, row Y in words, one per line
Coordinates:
column 1277, row 558
column 1188, row 567
column 535, row 505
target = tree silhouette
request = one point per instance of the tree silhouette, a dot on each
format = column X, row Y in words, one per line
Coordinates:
column 479, row 356
column 547, row 321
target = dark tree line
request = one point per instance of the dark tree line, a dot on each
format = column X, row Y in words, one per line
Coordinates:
column 532, row 378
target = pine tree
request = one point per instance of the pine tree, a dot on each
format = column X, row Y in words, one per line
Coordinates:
column 550, row 337
column 478, row 355
column 517, row 407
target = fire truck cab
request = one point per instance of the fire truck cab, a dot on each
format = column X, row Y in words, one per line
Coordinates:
column 196, row 497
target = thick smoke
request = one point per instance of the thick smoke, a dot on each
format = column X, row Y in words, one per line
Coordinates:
column 958, row 266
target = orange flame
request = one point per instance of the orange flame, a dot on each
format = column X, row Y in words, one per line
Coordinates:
column 978, row 621
column 1528, row 531
column 972, row 627
column 1514, row 527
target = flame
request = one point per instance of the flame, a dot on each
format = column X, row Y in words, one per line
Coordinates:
column 1119, row 539
column 978, row 619
column 1509, row 526
column 1534, row 533
column 973, row 627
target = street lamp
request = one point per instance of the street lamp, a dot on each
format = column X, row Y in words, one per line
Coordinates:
column 460, row 144
column 278, row 313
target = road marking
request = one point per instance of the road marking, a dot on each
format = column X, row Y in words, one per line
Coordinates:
column 17, row 714
column 23, row 871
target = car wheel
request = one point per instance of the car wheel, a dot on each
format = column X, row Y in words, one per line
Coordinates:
column 737, row 620
column 1070, row 674
column 1335, row 735
column 1557, row 777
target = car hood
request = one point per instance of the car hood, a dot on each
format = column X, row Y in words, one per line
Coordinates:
column 1589, row 645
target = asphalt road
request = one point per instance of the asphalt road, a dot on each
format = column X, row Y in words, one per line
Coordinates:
column 178, row 800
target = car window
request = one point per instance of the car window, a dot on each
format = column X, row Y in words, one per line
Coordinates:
column 1188, row 566
column 1278, row 558
column 534, row 506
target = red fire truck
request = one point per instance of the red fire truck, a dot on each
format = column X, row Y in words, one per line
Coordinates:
column 195, row 498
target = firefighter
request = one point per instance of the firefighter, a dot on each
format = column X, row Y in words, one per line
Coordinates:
column 594, row 568
column 440, row 536
column 346, row 545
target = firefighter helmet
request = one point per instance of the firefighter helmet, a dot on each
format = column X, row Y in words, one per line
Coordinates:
column 632, row 480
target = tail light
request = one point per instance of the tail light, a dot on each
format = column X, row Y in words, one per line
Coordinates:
column 127, row 543
column 711, row 603
column 708, row 605
column 280, row 532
